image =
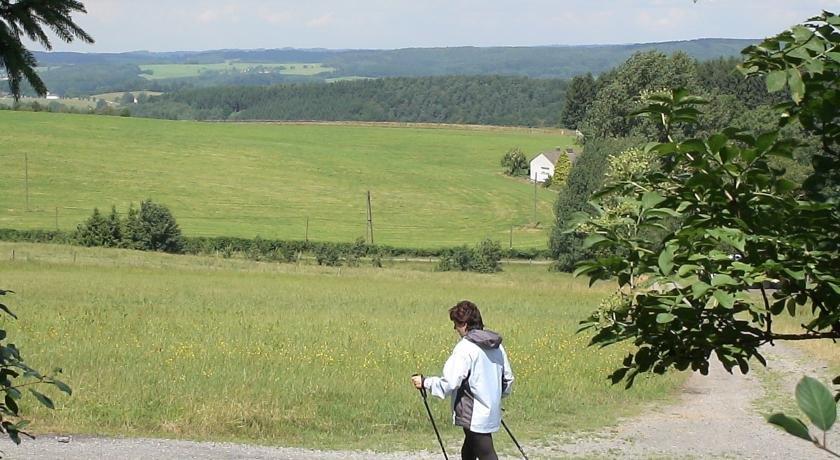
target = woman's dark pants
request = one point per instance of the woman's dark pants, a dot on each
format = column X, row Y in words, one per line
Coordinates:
column 478, row 446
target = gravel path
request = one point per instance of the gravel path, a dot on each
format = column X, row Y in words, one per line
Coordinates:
column 716, row 417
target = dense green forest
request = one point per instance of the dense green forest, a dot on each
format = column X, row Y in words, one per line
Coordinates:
column 85, row 74
column 537, row 62
column 602, row 108
column 471, row 100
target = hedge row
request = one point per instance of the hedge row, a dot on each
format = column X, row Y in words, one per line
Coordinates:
column 267, row 249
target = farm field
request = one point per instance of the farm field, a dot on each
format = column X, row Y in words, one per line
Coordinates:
column 430, row 187
column 160, row 71
column 115, row 97
column 70, row 102
column 227, row 349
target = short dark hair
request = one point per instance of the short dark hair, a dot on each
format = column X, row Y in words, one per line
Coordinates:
column 466, row 312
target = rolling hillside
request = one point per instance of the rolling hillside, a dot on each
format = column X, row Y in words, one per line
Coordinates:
column 430, row 187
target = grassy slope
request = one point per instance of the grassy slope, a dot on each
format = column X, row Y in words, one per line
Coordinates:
column 430, row 187
column 209, row 348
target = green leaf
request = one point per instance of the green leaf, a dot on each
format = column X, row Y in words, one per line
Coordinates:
column 687, row 269
column 6, row 309
column 11, row 404
column 651, row 199
column 593, row 239
column 815, row 67
column 816, row 402
column 716, row 142
column 721, row 279
column 776, row 80
column 792, row 425
column 731, row 236
column 63, row 387
column 666, row 260
column 725, row 299
column 699, row 289
column 834, row 55
column 664, row 318
column 584, row 269
column 797, row 87
column 44, row 399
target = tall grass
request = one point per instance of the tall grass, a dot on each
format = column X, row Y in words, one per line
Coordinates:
column 207, row 348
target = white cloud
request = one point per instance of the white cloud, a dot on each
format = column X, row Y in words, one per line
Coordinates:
column 321, row 21
column 229, row 12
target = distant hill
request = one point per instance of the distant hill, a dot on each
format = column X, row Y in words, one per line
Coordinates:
column 536, row 61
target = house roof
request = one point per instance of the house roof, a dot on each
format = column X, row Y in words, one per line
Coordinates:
column 570, row 152
column 553, row 155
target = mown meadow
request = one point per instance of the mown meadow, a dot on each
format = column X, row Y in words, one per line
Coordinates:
column 159, row 71
column 430, row 187
column 286, row 354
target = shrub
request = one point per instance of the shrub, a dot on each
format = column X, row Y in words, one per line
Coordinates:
column 515, row 163
column 98, row 230
column 459, row 258
column 327, row 254
column 153, row 228
column 483, row 258
column 486, row 256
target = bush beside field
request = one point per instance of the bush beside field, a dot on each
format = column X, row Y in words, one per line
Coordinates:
column 273, row 250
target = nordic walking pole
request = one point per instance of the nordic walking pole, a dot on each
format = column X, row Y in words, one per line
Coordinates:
column 429, row 411
column 514, row 440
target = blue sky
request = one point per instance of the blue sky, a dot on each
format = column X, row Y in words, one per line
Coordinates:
column 169, row 25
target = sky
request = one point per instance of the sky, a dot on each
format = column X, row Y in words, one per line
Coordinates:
column 191, row 25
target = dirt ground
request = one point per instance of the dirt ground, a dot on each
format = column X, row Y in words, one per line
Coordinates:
column 716, row 417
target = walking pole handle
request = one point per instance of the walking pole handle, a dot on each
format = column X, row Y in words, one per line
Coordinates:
column 422, row 388
column 429, row 411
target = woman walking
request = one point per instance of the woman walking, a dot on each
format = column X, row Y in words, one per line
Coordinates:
column 477, row 375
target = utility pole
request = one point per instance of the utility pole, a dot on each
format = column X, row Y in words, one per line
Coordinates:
column 56, row 218
column 370, row 218
column 306, row 235
column 26, row 178
column 511, row 238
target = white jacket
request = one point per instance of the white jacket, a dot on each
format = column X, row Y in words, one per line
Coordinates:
column 478, row 375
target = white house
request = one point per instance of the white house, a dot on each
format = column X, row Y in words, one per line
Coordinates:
column 542, row 166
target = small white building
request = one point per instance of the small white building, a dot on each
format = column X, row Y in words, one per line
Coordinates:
column 542, row 166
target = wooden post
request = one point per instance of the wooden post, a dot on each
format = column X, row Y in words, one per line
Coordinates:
column 370, row 218
column 535, row 197
column 56, row 218
column 26, row 178
column 306, row 235
column 510, row 246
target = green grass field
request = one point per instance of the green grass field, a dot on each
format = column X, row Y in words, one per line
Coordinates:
column 160, row 71
column 430, row 187
column 208, row 348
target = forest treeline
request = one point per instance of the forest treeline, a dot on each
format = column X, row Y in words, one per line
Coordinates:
column 597, row 105
column 469, row 100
